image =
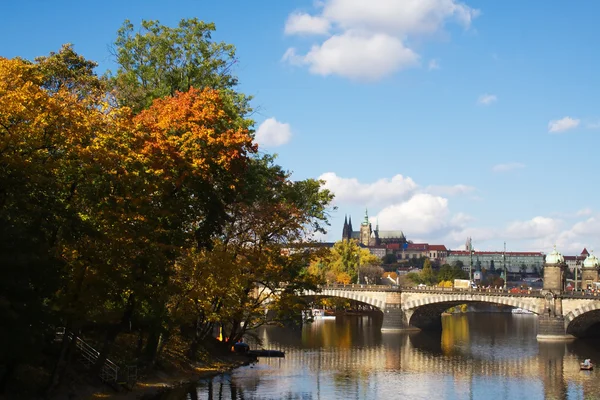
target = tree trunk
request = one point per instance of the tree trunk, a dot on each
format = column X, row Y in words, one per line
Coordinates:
column 111, row 335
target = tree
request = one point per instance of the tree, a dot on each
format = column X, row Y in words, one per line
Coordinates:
column 158, row 61
column 371, row 274
column 427, row 275
column 389, row 258
column 260, row 254
column 450, row 273
column 344, row 260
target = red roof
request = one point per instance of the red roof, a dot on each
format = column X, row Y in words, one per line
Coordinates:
column 418, row 246
column 584, row 251
column 437, row 247
column 393, row 246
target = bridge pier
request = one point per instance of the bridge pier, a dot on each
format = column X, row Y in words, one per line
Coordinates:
column 393, row 319
column 551, row 322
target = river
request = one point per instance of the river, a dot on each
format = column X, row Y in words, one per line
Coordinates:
column 476, row 356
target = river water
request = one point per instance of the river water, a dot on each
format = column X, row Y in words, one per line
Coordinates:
column 476, row 356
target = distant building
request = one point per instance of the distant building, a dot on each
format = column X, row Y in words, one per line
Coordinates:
column 369, row 236
column 573, row 261
column 493, row 260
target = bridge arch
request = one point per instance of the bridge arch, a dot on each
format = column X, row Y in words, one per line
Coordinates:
column 529, row 304
column 580, row 321
column 361, row 296
column 425, row 313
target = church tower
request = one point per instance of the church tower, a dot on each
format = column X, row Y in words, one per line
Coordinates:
column 365, row 230
column 346, row 231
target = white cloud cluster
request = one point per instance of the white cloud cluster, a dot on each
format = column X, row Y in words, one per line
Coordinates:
column 562, row 125
column 487, row 99
column 272, row 133
column 424, row 213
column 367, row 40
column 404, row 205
column 305, row 24
column 382, row 191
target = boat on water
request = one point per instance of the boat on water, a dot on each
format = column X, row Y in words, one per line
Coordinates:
column 266, row 353
column 317, row 314
column 520, row 311
column 586, row 365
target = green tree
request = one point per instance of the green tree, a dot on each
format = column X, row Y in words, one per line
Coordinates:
column 427, row 275
column 157, row 61
column 389, row 259
column 449, row 273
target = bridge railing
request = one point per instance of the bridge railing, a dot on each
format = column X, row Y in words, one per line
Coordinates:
column 356, row 286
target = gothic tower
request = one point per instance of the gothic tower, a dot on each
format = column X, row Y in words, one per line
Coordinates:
column 365, row 230
column 346, row 231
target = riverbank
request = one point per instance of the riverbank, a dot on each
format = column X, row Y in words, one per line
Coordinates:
column 154, row 382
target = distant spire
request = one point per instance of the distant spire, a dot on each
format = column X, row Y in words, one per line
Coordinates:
column 377, row 224
column 366, row 221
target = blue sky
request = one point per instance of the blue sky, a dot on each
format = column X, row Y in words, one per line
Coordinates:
column 446, row 119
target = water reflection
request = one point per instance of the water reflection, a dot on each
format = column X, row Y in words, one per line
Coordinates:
column 491, row 356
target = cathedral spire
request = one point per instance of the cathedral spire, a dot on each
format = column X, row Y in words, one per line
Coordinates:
column 366, row 221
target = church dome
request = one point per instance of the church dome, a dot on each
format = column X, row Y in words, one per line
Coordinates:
column 591, row 261
column 555, row 257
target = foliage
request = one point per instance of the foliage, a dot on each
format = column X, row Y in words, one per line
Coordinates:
column 389, row 259
column 342, row 263
column 450, row 273
column 157, row 61
column 150, row 210
column 427, row 275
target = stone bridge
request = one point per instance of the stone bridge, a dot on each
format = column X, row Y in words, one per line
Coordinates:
column 560, row 316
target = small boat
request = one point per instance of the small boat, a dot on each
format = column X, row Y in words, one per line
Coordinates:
column 520, row 311
column 267, row 353
column 586, row 365
column 317, row 313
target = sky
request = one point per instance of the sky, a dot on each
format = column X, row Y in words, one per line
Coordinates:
column 445, row 119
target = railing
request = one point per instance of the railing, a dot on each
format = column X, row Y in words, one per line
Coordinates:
column 89, row 356
column 356, row 286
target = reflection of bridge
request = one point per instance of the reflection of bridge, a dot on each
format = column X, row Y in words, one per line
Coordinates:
column 402, row 353
column 560, row 315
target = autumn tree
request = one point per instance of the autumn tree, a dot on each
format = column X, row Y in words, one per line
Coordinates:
column 427, row 275
column 51, row 113
column 261, row 254
column 156, row 61
column 343, row 261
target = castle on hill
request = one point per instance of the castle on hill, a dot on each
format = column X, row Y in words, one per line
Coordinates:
column 368, row 236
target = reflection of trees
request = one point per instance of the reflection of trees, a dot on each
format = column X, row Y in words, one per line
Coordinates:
column 454, row 330
column 351, row 355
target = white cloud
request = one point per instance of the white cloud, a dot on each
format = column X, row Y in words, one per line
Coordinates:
column 561, row 125
column 421, row 214
column 272, row 133
column 584, row 212
column 433, row 64
column 590, row 226
column 487, row 99
column 449, row 190
column 358, row 56
column 368, row 39
column 382, row 191
column 537, row 227
column 507, row 167
column 397, row 17
column 305, row 24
